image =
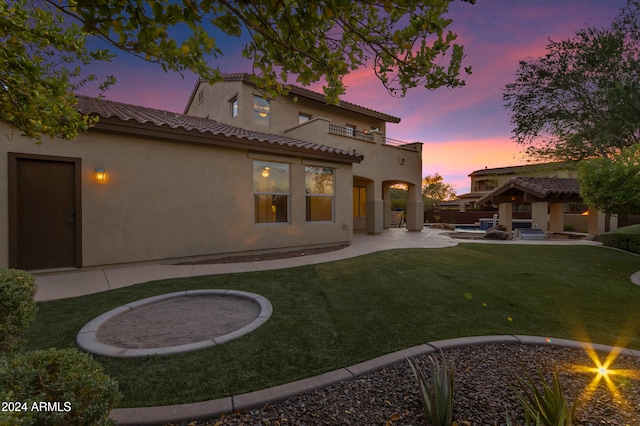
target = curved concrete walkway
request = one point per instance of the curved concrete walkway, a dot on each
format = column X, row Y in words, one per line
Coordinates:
column 207, row 410
column 90, row 280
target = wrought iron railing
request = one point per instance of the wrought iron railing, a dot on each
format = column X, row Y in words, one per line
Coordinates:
column 357, row 134
column 401, row 144
column 346, row 131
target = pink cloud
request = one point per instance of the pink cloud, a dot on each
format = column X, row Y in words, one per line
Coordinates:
column 455, row 160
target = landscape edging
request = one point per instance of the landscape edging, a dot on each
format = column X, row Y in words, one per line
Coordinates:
column 206, row 410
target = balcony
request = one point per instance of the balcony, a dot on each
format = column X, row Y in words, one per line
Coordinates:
column 373, row 137
column 352, row 133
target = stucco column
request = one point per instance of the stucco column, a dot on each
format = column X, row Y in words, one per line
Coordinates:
column 539, row 216
column 415, row 209
column 505, row 215
column 556, row 217
column 375, row 208
column 593, row 223
column 597, row 222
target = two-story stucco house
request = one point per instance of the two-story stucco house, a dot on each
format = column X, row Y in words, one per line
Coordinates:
column 248, row 175
column 305, row 115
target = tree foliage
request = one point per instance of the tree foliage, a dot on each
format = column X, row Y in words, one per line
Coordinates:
column 434, row 189
column 582, row 99
column 612, row 185
column 40, row 65
column 45, row 46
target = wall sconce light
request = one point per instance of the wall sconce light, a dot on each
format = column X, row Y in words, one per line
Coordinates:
column 101, row 175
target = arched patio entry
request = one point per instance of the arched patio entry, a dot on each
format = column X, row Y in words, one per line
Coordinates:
column 372, row 205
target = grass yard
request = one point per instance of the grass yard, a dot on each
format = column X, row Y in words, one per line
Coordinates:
column 332, row 315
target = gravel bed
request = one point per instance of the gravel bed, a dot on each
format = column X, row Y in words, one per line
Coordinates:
column 264, row 256
column 483, row 395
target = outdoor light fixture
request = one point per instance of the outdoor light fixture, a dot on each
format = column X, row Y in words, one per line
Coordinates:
column 101, row 175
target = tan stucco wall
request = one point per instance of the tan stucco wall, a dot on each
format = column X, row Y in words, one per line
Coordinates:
column 284, row 110
column 383, row 164
column 170, row 200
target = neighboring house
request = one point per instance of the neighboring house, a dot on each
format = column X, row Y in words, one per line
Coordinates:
column 486, row 180
column 547, row 190
column 149, row 185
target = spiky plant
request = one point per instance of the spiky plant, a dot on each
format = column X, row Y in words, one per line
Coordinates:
column 546, row 407
column 436, row 390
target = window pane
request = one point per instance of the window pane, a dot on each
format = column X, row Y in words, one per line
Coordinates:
column 359, row 202
column 319, row 208
column 234, row 108
column 319, row 186
column 319, row 180
column 363, row 202
column 270, row 177
column 271, row 208
column 261, row 111
column 303, row 118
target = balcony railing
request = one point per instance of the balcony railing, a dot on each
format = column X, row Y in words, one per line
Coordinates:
column 369, row 137
column 402, row 144
column 345, row 131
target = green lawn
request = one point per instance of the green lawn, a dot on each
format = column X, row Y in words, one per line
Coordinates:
column 332, row 315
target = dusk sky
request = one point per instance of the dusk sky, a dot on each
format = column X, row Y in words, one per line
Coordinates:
column 463, row 129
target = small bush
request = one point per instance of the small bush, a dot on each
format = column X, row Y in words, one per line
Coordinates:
column 67, row 387
column 626, row 238
column 17, row 308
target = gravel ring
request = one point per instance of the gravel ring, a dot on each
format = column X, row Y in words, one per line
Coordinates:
column 483, row 395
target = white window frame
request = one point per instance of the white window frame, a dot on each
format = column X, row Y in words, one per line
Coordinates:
column 264, row 168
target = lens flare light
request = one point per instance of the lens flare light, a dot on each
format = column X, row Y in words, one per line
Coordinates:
column 602, row 372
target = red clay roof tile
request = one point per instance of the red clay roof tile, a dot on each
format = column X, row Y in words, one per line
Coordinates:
column 143, row 115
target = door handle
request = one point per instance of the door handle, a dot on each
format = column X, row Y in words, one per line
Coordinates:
column 72, row 216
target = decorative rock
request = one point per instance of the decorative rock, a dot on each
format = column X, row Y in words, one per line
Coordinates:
column 497, row 228
column 497, row 235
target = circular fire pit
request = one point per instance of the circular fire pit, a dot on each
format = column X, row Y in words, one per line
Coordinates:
column 175, row 322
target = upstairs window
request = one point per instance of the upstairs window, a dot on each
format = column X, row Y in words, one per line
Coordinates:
column 271, row 183
column 234, row 107
column 320, row 193
column 261, row 111
column 303, row 118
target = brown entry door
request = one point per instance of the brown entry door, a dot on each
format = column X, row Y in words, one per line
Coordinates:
column 44, row 203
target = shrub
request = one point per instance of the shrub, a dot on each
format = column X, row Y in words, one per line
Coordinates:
column 626, row 238
column 17, row 308
column 68, row 387
column 436, row 391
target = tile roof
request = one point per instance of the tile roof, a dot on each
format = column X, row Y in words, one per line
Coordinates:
column 548, row 186
column 542, row 188
column 310, row 94
column 518, row 169
column 170, row 122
